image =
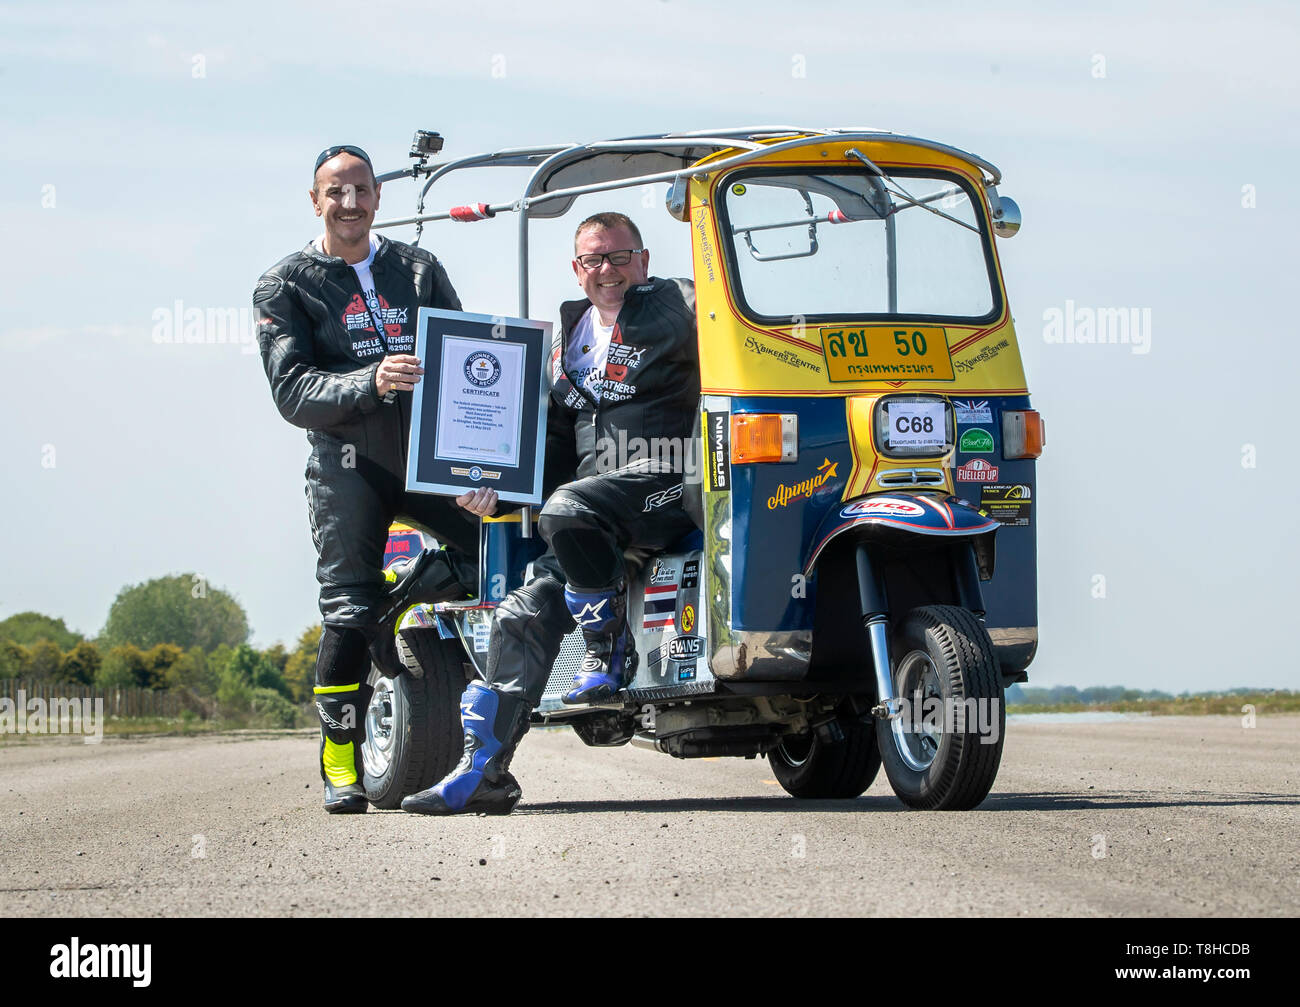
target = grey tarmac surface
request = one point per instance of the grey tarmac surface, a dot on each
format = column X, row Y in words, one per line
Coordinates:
column 1198, row 816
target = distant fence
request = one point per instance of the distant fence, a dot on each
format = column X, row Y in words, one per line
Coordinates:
column 117, row 702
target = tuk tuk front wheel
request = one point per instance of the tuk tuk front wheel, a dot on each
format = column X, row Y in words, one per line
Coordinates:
column 943, row 753
column 810, row 768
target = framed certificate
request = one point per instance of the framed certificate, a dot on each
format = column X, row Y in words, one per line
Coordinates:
column 479, row 416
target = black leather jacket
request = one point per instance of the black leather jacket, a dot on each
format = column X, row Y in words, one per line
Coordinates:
column 321, row 351
column 655, row 394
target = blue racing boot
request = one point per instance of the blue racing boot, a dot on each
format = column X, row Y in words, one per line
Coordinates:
column 480, row 784
column 611, row 654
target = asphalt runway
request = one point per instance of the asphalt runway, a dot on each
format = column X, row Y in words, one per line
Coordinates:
column 1176, row 816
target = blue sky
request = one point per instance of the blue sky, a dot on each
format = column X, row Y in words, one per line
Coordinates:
column 157, row 152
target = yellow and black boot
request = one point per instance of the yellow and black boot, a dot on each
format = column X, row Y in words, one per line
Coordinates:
column 342, row 709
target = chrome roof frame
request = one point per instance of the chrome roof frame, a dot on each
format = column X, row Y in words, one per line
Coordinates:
column 547, row 160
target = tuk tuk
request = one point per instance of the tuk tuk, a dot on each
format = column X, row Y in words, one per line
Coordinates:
column 861, row 587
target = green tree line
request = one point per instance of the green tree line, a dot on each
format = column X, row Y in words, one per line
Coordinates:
column 176, row 633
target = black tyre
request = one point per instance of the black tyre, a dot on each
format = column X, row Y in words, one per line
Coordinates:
column 944, row 754
column 808, row 767
column 413, row 736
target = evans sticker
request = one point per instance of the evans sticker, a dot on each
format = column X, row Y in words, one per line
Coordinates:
column 683, row 648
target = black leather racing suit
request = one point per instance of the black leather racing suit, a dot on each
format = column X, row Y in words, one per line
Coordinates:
column 321, row 351
column 619, row 497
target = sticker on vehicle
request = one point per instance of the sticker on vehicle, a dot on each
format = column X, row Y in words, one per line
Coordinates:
column 660, row 607
column 971, row 411
column 1009, row 503
column 719, row 446
column 977, row 470
column 882, row 508
column 976, row 441
column 684, row 647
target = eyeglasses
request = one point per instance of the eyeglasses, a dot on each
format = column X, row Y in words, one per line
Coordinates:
column 342, row 148
column 619, row 258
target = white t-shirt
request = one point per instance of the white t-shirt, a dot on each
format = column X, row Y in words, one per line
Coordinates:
column 367, row 281
column 363, row 275
column 588, row 352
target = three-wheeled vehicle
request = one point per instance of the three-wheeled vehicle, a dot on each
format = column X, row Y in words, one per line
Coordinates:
column 862, row 585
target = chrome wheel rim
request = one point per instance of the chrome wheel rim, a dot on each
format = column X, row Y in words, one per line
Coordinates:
column 796, row 751
column 377, row 749
column 917, row 741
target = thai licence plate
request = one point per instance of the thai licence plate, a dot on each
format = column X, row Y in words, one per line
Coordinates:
column 886, row 353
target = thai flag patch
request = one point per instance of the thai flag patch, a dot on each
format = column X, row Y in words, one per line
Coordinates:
column 660, row 607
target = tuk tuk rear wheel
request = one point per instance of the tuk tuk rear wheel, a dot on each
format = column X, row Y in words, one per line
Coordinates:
column 413, row 731
column 944, row 762
column 809, row 768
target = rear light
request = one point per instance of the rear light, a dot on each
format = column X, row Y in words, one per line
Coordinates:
column 1023, row 434
column 764, row 437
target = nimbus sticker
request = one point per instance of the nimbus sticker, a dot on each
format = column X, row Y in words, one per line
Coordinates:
column 719, row 441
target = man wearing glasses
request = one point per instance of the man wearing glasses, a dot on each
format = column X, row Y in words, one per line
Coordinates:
column 624, row 366
column 336, row 330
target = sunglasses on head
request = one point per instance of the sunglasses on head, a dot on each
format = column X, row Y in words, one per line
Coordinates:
column 342, row 148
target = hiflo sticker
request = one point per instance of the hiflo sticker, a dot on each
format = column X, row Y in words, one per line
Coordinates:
column 882, row 508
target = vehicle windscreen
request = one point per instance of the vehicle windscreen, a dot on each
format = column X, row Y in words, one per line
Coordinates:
column 850, row 243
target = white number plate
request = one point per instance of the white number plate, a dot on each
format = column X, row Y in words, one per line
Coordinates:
column 917, row 425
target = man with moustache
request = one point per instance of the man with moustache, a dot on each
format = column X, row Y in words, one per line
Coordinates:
column 336, row 330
